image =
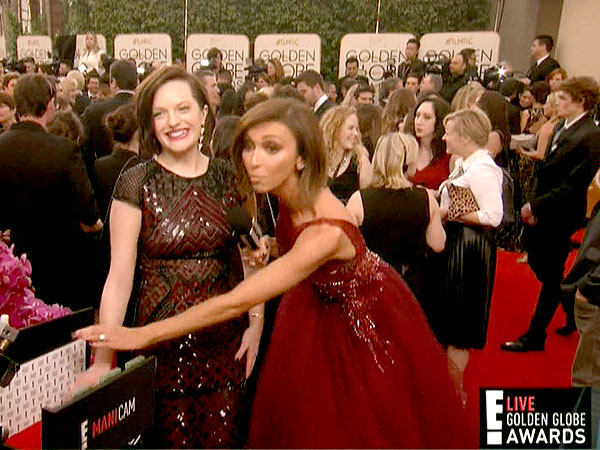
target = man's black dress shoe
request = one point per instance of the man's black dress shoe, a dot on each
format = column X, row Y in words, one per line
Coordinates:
column 566, row 330
column 524, row 344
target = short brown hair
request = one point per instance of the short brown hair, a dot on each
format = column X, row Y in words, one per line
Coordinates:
column 32, row 95
column 582, row 89
column 144, row 99
column 7, row 100
column 471, row 123
column 301, row 121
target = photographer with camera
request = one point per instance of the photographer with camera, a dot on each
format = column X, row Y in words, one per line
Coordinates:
column 455, row 78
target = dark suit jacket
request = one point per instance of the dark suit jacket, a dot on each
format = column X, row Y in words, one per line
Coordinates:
column 97, row 142
column 585, row 274
column 514, row 118
column 46, row 193
column 106, row 172
column 558, row 197
column 539, row 73
column 81, row 103
column 324, row 107
column 452, row 83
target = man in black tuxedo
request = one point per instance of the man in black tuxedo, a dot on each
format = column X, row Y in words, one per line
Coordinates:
column 557, row 205
column 412, row 64
column 311, row 86
column 544, row 64
column 123, row 80
column 47, row 199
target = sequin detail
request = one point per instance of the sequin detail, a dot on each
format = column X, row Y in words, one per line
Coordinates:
column 185, row 250
column 355, row 286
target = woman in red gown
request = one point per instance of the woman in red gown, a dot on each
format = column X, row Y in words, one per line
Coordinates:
column 352, row 362
column 426, row 125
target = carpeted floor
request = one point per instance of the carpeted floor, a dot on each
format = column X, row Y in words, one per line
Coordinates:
column 514, row 299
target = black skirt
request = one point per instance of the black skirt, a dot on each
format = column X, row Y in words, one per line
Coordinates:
column 470, row 256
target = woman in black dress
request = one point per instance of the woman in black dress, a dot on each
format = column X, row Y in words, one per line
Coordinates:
column 471, row 203
column 397, row 219
column 347, row 159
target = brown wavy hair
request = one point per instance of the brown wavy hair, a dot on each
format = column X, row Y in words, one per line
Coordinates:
column 144, row 98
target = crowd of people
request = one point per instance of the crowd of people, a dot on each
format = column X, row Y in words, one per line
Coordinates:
column 388, row 204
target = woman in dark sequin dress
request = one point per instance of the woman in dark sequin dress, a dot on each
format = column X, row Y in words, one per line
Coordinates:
column 352, row 362
column 170, row 213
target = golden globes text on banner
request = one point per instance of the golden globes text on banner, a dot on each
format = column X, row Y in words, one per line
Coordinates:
column 436, row 47
column 144, row 47
column 535, row 418
column 297, row 52
column 376, row 53
column 234, row 47
column 37, row 47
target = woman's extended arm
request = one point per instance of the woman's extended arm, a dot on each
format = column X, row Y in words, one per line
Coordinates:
column 435, row 234
column 316, row 245
column 355, row 208
column 365, row 169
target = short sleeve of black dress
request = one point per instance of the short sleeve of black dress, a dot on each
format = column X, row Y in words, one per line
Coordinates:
column 128, row 187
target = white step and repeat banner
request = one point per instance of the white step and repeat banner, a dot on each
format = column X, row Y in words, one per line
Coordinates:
column 144, row 47
column 297, row 52
column 235, row 49
column 38, row 47
column 80, row 46
column 375, row 53
column 436, row 46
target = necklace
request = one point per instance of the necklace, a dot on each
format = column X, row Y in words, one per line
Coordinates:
column 334, row 170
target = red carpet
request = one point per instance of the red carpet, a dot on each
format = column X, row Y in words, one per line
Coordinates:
column 514, row 299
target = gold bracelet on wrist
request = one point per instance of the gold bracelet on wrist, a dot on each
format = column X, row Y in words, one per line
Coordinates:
column 260, row 316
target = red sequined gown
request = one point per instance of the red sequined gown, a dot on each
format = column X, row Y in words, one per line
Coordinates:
column 184, row 255
column 352, row 363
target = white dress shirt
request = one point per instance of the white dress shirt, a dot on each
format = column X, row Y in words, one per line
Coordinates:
column 321, row 100
column 484, row 178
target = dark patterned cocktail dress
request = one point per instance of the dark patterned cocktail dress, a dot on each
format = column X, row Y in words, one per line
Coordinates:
column 184, row 254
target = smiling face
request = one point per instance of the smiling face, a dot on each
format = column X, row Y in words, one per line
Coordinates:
column 177, row 118
column 425, row 121
column 454, row 142
column 349, row 133
column 271, row 70
column 526, row 99
column 270, row 156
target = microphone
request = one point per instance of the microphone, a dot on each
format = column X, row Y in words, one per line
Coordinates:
column 244, row 226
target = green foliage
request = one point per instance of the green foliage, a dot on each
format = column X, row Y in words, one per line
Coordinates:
column 330, row 19
column 14, row 29
column 39, row 25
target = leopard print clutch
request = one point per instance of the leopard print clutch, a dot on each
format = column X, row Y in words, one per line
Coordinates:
column 462, row 201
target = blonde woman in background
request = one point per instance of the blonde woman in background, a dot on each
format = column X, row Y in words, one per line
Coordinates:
column 347, row 159
column 467, row 96
column 90, row 57
column 397, row 219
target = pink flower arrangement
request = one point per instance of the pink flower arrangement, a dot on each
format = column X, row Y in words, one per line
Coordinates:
column 16, row 295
